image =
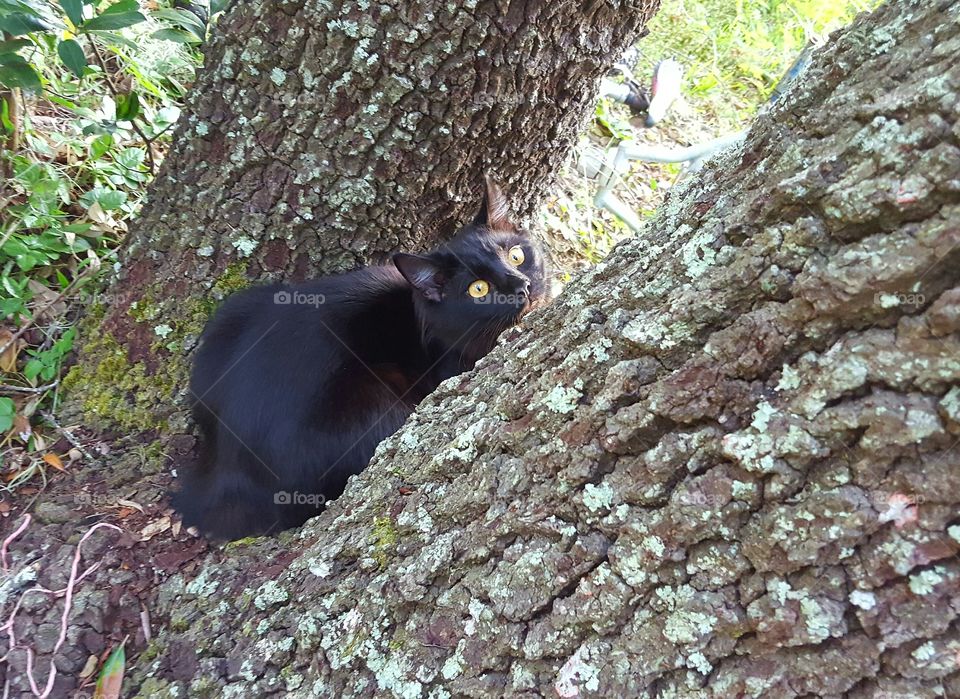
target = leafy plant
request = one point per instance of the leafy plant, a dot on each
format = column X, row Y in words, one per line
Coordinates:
column 89, row 93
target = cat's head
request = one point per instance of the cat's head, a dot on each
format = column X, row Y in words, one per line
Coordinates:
column 473, row 288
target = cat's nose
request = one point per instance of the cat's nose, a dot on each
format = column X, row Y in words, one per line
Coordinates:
column 523, row 287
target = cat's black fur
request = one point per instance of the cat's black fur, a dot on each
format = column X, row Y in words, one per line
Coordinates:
column 294, row 385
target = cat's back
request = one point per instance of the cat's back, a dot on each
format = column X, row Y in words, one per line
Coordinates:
column 303, row 304
column 272, row 332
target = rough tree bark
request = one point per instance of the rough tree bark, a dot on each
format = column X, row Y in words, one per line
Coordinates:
column 724, row 463
column 323, row 135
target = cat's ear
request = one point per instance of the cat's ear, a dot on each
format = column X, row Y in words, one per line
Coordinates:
column 423, row 273
column 494, row 210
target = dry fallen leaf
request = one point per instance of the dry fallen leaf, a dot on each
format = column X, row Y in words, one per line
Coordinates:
column 51, row 304
column 154, row 528
column 54, row 461
column 8, row 358
column 30, row 406
column 22, row 428
column 90, row 666
column 97, row 214
column 131, row 504
column 93, row 261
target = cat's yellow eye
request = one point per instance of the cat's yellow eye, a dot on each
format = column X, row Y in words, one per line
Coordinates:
column 516, row 256
column 479, row 289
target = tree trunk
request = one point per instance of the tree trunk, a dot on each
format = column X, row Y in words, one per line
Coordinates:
column 724, row 463
column 321, row 136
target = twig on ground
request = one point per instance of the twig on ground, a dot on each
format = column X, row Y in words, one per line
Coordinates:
column 28, row 389
column 145, row 623
column 68, row 435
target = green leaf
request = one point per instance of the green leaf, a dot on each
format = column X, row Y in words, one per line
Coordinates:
column 111, row 199
column 184, row 20
column 72, row 56
column 107, row 198
column 7, row 412
column 10, row 306
column 74, row 10
column 17, row 23
column 16, row 72
column 178, row 35
column 113, row 20
column 13, row 45
column 128, row 106
column 113, row 38
column 116, row 16
column 101, row 144
column 104, row 127
column 5, row 117
column 122, row 6
column 111, row 676
column 130, row 158
column 77, row 228
column 32, row 369
column 65, row 343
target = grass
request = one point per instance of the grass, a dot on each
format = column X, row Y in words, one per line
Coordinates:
column 735, row 51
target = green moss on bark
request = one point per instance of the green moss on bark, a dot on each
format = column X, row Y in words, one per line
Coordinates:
column 112, row 392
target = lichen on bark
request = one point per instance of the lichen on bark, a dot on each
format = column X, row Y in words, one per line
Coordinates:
column 723, row 463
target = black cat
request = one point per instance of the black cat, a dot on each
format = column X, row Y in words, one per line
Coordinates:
column 294, row 385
